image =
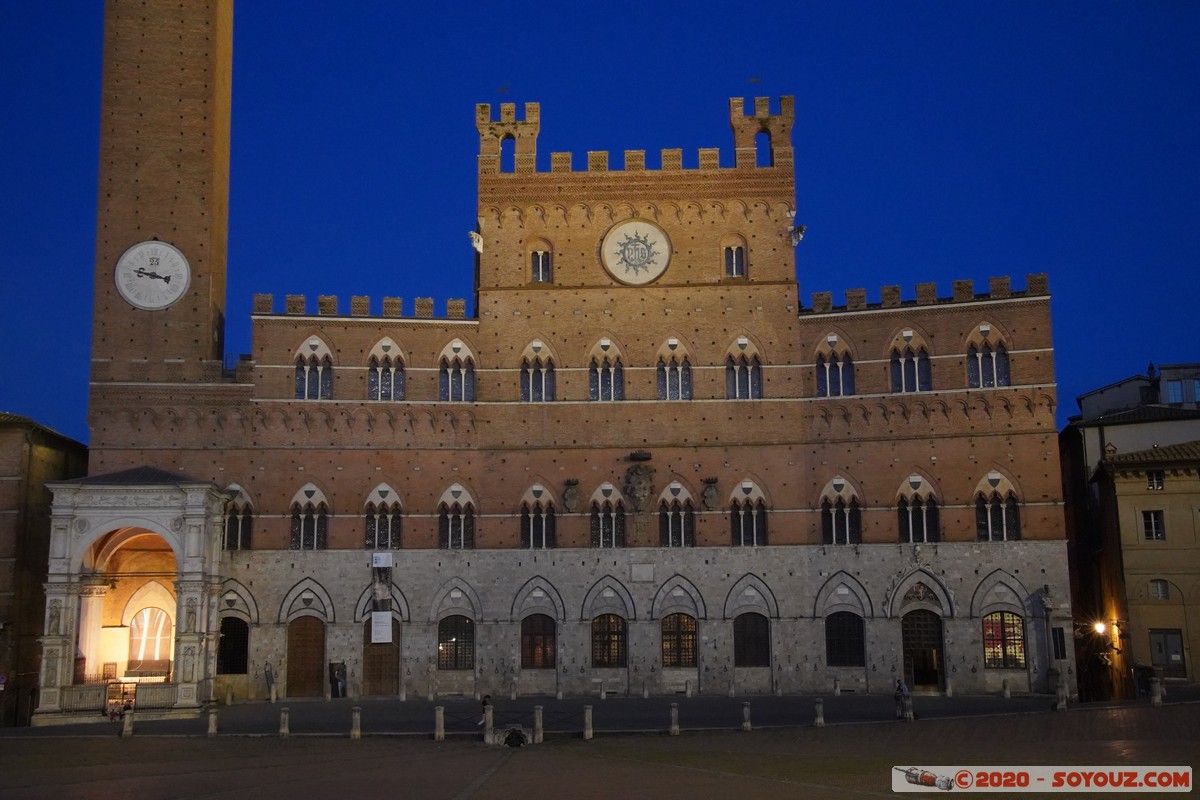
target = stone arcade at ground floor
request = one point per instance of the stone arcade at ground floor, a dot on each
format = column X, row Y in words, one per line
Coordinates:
column 141, row 594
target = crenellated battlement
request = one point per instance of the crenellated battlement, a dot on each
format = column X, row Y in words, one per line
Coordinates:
column 746, row 130
column 360, row 306
column 963, row 291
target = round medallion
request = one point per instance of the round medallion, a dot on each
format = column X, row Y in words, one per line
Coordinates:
column 152, row 275
column 635, row 252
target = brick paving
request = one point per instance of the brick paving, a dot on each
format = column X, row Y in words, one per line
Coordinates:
column 852, row 759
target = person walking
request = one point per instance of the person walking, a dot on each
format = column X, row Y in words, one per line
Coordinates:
column 487, row 703
column 901, row 696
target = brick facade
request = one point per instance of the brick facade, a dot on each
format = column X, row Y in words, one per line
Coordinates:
column 547, row 293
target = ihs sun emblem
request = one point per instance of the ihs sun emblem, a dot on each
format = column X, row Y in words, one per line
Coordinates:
column 637, row 253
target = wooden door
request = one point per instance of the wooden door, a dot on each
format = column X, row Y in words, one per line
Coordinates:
column 306, row 658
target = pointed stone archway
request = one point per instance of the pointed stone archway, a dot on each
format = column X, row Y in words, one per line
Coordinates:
column 131, row 590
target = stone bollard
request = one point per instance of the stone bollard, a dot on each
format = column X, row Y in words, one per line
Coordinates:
column 284, row 723
column 538, row 730
column 127, row 724
column 587, row 723
column 1006, row 691
column 228, row 696
column 731, row 692
column 746, row 716
column 837, row 687
column 603, row 691
column 674, row 719
column 558, row 695
column 1156, row 691
column 512, row 695
column 645, row 691
column 819, row 719
column 439, row 724
column 908, row 709
column 687, row 688
column 403, row 691
column 274, row 694
column 779, row 690
column 1060, row 693
column 212, row 722
column 949, row 687
column 356, row 722
column 487, row 724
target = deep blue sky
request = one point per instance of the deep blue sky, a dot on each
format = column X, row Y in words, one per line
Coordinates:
column 934, row 141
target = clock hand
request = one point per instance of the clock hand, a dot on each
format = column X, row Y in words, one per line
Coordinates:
column 144, row 273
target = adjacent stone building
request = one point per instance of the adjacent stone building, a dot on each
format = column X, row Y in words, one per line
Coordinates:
column 644, row 464
column 30, row 456
column 1129, row 473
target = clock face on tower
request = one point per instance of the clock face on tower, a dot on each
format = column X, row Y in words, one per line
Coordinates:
column 635, row 252
column 152, row 275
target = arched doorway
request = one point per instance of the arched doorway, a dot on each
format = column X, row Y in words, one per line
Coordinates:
column 922, row 632
column 306, row 657
column 381, row 663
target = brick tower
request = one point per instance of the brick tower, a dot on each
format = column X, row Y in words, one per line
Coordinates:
column 164, row 175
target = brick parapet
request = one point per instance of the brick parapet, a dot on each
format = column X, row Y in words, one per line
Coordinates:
column 999, row 288
column 296, row 305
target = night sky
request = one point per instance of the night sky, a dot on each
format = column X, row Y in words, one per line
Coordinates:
column 934, row 141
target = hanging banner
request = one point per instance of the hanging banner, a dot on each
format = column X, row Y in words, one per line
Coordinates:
column 381, row 598
column 381, row 627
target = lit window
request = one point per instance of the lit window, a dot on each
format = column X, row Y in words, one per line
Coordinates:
column 1153, row 526
column 537, row 642
column 456, row 643
column 679, row 640
column 1159, row 589
column 1004, row 641
column 150, row 643
column 608, row 641
column 1155, row 479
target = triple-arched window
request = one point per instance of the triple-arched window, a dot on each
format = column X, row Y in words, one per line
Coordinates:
column 987, row 365
column 743, row 378
column 608, row 524
column 997, row 509
column 537, row 380
column 917, row 512
column 841, row 515
column 676, row 523
column 385, row 378
column 537, row 526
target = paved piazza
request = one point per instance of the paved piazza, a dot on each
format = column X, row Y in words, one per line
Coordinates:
column 851, row 759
